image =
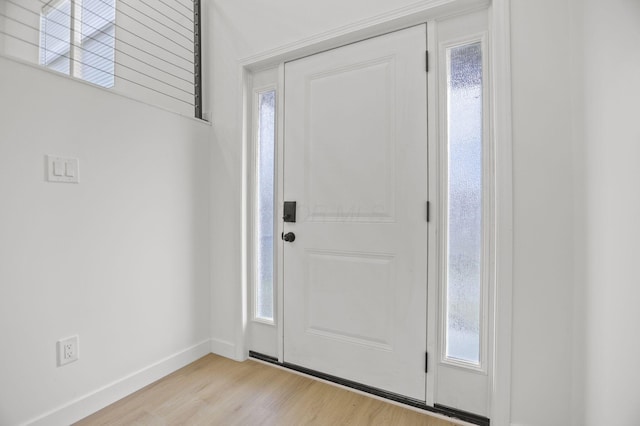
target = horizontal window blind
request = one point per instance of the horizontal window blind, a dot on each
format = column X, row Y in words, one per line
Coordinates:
column 146, row 49
column 55, row 37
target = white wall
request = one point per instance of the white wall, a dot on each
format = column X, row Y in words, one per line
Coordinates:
column 121, row 259
column 23, row 27
column 611, row 144
column 2, row 24
column 543, row 213
column 576, row 141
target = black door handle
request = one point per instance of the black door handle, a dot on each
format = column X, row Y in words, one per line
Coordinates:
column 289, row 237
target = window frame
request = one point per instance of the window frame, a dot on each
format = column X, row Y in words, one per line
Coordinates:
column 255, row 125
column 263, row 337
column 499, row 77
column 488, row 199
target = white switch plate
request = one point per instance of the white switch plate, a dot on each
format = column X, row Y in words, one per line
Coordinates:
column 68, row 350
column 62, row 169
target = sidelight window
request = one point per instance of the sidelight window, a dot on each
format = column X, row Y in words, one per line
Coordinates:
column 264, row 218
column 464, row 231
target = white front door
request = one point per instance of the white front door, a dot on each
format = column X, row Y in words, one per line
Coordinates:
column 355, row 161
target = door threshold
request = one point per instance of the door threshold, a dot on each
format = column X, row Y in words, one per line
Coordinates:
column 437, row 408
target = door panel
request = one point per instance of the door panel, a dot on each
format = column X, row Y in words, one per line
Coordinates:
column 334, row 289
column 332, row 156
column 355, row 148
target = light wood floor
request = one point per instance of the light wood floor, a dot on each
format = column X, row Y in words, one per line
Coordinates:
column 218, row 391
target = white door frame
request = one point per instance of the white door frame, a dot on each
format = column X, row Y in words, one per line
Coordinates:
column 428, row 10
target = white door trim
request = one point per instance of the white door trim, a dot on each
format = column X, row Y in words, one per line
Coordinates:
column 394, row 20
column 420, row 12
column 500, row 29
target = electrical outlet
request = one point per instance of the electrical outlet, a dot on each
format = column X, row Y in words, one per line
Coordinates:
column 67, row 350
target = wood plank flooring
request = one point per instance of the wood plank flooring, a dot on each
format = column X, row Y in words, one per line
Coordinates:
column 219, row 391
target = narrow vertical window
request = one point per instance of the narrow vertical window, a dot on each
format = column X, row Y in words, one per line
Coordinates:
column 97, row 42
column 264, row 218
column 465, row 199
column 55, row 37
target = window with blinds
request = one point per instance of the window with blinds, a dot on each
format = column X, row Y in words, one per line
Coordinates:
column 55, row 37
column 146, row 49
column 97, row 42
column 77, row 37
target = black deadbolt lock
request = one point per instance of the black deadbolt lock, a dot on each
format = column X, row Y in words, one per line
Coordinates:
column 289, row 211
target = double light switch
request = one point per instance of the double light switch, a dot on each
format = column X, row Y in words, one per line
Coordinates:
column 60, row 169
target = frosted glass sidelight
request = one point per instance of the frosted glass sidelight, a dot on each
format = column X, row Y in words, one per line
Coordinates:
column 464, row 193
column 264, row 222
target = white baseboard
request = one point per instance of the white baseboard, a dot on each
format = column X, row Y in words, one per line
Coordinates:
column 100, row 398
column 223, row 348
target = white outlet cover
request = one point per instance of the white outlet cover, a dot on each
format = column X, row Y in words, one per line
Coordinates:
column 68, row 350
